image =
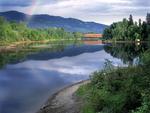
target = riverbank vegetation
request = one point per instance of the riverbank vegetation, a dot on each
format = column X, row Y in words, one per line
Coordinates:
column 120, row 89
column 128, row 30
column 14, row 32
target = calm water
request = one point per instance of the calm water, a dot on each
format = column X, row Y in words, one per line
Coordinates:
column 29, row 75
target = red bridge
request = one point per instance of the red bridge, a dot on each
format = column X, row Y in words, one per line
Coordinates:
column 92, row 39
column 93, row 35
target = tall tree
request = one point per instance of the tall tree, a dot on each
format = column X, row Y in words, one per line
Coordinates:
column 140, row 22
column 131, row 20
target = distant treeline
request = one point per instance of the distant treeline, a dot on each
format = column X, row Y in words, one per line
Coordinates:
column 128, row 30
column 12, row 32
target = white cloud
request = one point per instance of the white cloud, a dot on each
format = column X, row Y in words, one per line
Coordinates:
column 102, row 11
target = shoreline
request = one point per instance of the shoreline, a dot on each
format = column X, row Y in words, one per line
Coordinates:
column 64, row 101
column 111, row 41
column 13, row 45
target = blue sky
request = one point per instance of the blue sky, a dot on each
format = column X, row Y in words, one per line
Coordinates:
column 101, row 11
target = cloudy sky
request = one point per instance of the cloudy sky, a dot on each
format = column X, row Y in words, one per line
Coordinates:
column 101, row 11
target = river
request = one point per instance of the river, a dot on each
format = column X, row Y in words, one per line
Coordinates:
column 29, row 75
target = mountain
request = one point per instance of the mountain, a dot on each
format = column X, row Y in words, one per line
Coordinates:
column 45, row 21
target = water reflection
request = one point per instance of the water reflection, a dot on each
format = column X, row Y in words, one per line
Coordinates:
column 31, row 74
column 27, row 80
column 93, row 42
column 20, row 52
column 127, row 52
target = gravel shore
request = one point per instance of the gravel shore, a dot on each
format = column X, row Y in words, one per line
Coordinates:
column 64, row 101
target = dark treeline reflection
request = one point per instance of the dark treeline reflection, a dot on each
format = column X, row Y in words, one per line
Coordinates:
column 38, row 51
column 127, row 52
column 22, row 51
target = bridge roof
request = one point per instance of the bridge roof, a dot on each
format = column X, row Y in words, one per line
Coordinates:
column 93, row 35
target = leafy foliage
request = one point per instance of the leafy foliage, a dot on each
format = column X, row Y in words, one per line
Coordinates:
column 12, row 32
column 127, row 30
column 119, row 89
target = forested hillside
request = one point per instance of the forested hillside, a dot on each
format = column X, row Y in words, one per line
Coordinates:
column 12, row 32
column 47, row 21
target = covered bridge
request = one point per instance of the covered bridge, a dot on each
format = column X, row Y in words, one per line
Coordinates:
column 92, row 36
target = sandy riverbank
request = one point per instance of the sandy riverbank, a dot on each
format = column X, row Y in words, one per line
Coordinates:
column 64, row 101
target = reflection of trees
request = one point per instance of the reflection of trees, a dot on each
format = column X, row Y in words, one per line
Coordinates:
column 10, row 57
column 127, row 52
column 19, row 55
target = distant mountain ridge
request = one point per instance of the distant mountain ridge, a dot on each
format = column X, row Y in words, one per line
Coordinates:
column 45, row 21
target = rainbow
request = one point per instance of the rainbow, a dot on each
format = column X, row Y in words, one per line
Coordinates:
column 32, row 9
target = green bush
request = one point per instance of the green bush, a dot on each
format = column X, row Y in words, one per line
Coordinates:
column 121, row 90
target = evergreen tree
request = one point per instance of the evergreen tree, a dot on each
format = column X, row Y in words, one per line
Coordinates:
column 131, row 20
column 140, row 22
column 144, row 31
